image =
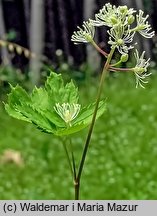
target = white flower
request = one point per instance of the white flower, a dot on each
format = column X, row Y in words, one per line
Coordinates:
column 124, row 10
column 125, row 15
column 140, row 69
column 67, row 111
column 143, row 27
column 84, row 34
column 119, row 37
column 110, row 15
column 105, row 15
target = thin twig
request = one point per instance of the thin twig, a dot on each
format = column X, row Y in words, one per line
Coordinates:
column 73, row 160
column 120, row 69
column 68, row 158
column 99, row 49
column 105, row 70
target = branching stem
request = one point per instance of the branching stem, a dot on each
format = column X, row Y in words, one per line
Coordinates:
column 68, row 157
column 104, row 73
column 99, row 49
column 120, row 69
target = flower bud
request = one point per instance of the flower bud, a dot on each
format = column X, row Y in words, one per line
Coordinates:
column 114, row 20
column 124, row 58
column 139, row 70
column 131, row 19
column 123, row 9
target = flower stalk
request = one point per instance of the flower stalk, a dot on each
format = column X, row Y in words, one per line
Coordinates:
column 99, row 49
column 121, row 35
column 88, row 139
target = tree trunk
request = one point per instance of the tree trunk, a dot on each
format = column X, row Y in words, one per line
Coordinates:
column 93, row 58
column 64, row 27
column 50, row 30
column 27, row 15
column 4, row 51
column 36, row 38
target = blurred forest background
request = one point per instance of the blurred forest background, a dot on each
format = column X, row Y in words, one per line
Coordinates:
column 121, row 162
column 45, row 29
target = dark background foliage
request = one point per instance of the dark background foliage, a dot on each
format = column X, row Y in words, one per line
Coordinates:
column 60, row 20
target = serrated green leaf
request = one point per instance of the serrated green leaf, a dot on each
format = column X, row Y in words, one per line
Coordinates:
column 54, row 118
column 70, row 130
column 55, row 87
column 54, row 82
column 40, row 98
column 70, row 93
column 18, row 95
column 15, row 114
column 86, row 113
column 38, row 107
column 36, row 117
column 60, row 93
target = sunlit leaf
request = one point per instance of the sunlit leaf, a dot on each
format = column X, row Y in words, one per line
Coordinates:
column 39, row 107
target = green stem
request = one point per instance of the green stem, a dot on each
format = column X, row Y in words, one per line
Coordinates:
column 104, row 73
column 68, row 158
column 77, row 189
column 72, row 163
column 134, row 29
column 121, row 69
column 73, row 160
column 99, row 49
column 117, row 63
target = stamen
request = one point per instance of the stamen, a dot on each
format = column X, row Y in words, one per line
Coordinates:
column 67, row 111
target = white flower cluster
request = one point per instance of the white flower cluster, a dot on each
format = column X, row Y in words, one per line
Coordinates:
column 140, row 69
column 119, row 20
column 143, row 27
column 84, row 34
column 120, row 37
column 110, row 15
column 67, row 111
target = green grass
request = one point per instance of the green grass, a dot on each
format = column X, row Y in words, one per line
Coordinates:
column 122, row 158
